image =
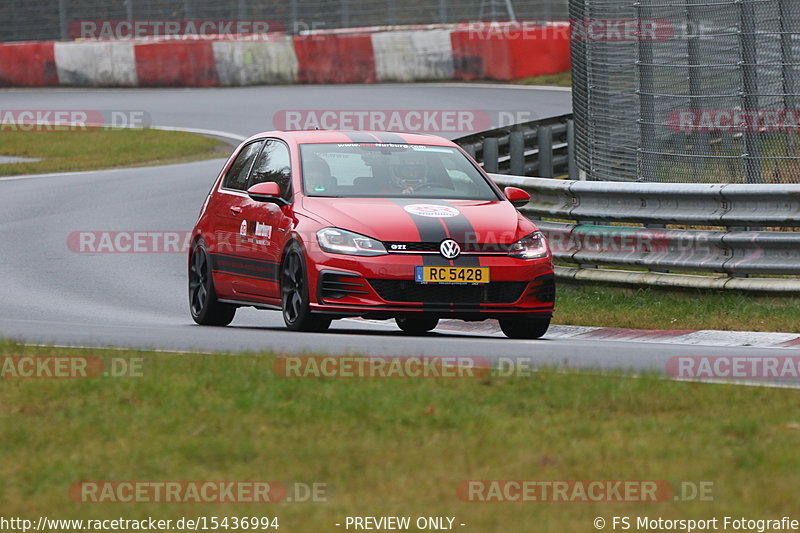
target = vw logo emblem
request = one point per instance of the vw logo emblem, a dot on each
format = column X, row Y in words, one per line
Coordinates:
column 449, row 249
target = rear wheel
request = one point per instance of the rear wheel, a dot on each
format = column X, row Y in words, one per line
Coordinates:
column 206, row 309
column 294, row 294
column 416, row 326
column 525, row 327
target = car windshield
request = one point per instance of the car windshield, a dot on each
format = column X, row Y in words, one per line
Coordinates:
column 379, row 170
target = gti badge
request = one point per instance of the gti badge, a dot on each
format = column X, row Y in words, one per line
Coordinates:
column 449, row 249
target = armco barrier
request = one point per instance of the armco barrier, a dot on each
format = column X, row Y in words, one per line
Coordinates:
column 366, row 55
column 587, row 240
column 542, row 148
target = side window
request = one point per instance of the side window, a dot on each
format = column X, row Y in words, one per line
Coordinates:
column 274, row 165
column 240, row 169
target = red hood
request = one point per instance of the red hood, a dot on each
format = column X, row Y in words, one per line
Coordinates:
column 394, row 219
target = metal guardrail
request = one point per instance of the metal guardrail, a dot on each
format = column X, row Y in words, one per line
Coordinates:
column 543, row 148
column 728, row 239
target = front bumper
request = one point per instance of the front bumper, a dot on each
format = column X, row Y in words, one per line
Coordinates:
column 384, row 286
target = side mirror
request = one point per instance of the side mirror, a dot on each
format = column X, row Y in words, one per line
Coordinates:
column 267, row 192
column 518, row 197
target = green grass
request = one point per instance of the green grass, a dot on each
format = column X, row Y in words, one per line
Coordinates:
column 562, row 79
column 388, row 447
column 65, row 151
column 661, row 308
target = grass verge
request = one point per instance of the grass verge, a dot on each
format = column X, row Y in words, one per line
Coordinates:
column 95, row 149
column 391, row 447
column 657, row 308
column 562, row 79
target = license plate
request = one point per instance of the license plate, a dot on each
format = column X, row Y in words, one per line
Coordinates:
column 452, row 275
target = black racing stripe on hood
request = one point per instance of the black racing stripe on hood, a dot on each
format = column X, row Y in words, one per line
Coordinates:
column 461, row 230
column 430, row 230
column 360, row 137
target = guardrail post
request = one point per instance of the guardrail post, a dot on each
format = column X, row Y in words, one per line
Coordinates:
column 545, row 142
column 491, row 153
column 516, row 150
column 572, row 166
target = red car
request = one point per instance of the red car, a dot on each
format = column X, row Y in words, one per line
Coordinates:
column 323, row 225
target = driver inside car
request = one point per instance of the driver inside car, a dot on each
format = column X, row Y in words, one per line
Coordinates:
column 317, row 177
column 409, row 172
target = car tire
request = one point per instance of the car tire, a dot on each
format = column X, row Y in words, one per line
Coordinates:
column 416, row 326
column 524, row 328
column 294, row 294
column 205, row 308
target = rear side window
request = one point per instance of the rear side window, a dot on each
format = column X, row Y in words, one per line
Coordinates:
column 273, row 165
column 236, row 178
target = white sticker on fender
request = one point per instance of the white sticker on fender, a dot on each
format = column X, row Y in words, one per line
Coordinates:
column 262, row 230
column 432, row 211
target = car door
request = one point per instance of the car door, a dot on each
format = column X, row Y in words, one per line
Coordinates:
column 228, row 245
column 267, row 223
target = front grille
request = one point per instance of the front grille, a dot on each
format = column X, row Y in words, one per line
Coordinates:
column 433, row 247
column 335, row 286
column 412, row 246
column 498, row 292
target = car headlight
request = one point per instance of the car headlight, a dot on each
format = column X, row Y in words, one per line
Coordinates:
column 532, row 246
column 339, row 241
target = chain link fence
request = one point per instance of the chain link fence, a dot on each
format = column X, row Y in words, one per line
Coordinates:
column 26, row 20
column 687, row 90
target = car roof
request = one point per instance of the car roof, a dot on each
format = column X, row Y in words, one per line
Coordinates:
column 360, row 136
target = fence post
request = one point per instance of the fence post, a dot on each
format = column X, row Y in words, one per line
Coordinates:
column 647, row 106
column 747, row 39
column 345, row 13
column 516, row 150
column 187, row 9
column 491, row 153
column 62, row 19
column 443, row 16
column 242, row 10
column 545, row 141
column 391, row 8
column 129, row 9
column 294, row 16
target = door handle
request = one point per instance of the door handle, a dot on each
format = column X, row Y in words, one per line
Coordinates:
column 236, row 210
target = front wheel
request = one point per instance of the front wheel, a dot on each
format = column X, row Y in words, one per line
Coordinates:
column 206, row 309
column 294, row 294
column 416, row 326
column 525, row 327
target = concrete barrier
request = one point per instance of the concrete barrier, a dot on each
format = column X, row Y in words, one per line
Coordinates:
column 96, row 64
column 367, row 55
column 255, row 63
column 27, row 65
column 406, row 56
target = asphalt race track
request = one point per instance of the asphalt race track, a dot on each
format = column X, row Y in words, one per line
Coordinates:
column 53, row 295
